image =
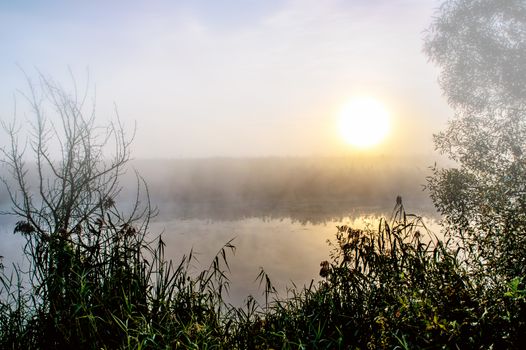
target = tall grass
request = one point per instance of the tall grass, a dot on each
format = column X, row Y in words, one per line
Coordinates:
column 391, row 286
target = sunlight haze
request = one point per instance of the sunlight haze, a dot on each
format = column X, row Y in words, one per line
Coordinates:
column 364, row 122
column 233, row 78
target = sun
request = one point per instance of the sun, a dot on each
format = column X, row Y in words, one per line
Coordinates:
column 363, row 122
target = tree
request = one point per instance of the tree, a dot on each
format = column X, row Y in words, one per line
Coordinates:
column 95, row 279
column 62, row 181
column 480, row 48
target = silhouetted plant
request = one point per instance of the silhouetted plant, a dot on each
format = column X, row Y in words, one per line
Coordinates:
column 93, row 279
column 96, row 281
column 396, row 286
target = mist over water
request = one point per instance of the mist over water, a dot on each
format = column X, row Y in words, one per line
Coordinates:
column 280, row 212
column 303, row 189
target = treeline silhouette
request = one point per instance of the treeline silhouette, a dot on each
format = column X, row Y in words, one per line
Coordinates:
column 305, row 189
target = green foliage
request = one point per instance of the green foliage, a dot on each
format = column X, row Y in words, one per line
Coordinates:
column 394, row 286
column 95, row 281
column 479, row 47
column 119, row 292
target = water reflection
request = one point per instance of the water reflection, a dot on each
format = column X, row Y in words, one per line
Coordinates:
column 289, row 251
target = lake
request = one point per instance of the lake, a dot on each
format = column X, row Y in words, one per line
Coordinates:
column 289, row 251
column 280, row 212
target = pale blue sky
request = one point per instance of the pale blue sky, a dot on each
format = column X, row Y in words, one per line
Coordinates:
column 233, row 78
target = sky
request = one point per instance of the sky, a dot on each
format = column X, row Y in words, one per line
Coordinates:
column 232, row 78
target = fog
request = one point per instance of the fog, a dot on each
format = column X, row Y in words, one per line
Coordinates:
column 265, row 80
column 239, row 78
column 279, row 211
column 304, row 189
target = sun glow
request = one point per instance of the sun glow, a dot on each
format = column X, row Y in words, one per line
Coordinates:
column 363, row 122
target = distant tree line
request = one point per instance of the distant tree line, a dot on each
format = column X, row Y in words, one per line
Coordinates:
column 302, row 188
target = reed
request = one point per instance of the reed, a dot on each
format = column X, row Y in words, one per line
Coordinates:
column 392, row 286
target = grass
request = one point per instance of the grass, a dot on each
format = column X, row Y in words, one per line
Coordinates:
column 395, row 286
